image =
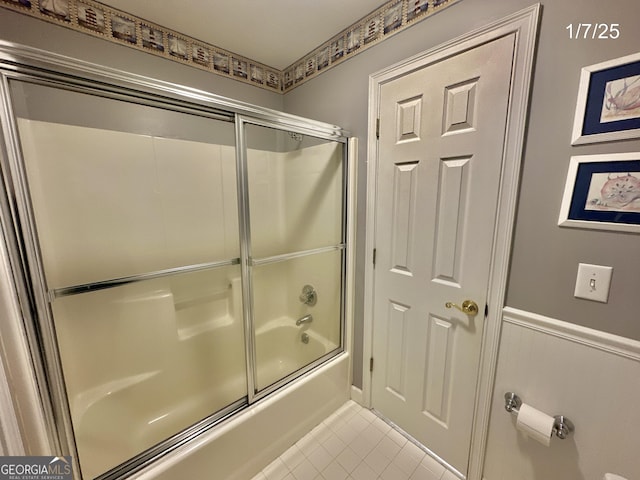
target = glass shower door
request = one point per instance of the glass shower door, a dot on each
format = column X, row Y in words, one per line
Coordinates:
column 296, row 193
column 135, row 220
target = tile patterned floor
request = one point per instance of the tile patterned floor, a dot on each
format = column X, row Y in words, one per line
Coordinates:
column 354, row 444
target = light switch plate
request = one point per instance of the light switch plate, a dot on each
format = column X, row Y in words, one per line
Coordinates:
column 593, row 282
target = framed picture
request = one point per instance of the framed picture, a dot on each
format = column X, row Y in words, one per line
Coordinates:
column 602, row 192
column 608, row 101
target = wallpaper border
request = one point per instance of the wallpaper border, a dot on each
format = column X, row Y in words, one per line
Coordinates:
column 98, row 20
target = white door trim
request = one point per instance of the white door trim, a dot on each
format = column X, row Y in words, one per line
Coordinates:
column 524, row 25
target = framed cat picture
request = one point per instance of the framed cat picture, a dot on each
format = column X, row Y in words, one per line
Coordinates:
column 608, row 106
column 602, row 192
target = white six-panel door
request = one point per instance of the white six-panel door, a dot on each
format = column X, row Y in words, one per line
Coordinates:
column 440, row 150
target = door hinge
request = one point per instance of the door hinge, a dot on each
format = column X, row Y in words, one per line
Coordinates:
column 375, row 251
column 371, row 364
column 377, row 128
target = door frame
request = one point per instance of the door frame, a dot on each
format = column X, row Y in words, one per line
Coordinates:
column 524, row 25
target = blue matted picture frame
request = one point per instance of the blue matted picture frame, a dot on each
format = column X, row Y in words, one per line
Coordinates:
column 608, row 106
column 602, row 192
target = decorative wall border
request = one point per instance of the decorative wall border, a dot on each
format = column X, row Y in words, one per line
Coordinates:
column 391, row 18
column 96, row 19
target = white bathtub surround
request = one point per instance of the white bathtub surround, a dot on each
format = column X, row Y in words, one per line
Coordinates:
column 590, row 376
column 354, row 444
column 243, row 445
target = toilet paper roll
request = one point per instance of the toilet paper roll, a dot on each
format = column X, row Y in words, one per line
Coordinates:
column 535, row 424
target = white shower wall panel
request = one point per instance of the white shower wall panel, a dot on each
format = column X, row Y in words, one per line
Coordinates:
column 112, row 204
column 313, row 196
column 295, row 199
column 296, row 205
column 196, row 188
column 266, row 200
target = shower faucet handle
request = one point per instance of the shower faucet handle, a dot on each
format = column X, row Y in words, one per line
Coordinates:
column 309, row 296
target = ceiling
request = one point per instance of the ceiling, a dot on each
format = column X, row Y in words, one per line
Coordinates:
column 275, row 32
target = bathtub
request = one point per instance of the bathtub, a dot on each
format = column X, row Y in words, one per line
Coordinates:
column 280, row 349
column 241, row 446
column 118, row 419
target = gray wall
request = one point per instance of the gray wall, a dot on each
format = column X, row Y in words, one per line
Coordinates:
column 545, row 257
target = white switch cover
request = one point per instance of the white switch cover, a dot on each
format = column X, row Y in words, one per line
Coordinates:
column 593, row 282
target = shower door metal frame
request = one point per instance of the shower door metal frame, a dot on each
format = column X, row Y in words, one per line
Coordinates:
column 32, row 65
column 247, row 261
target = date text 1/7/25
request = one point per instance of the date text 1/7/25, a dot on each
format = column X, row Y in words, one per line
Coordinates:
column 594, row 31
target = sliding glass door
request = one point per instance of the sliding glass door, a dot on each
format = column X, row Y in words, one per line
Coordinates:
column 296, row 193
column 178, row 256
column 135, row 213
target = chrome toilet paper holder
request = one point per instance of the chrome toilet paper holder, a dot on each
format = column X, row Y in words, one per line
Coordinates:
column 562, row 426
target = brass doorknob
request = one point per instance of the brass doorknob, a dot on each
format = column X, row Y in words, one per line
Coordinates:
column 468, row 306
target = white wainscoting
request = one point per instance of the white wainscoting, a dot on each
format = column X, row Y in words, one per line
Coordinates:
column 591, row 377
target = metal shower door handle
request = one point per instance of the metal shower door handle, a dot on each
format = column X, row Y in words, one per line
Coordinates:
column 468, row 306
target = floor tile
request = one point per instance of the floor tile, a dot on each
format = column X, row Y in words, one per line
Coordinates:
column 423, row 473
column 364, row 472
column 449, row 476
column 377, row 462
column 349, row 460
column 307, row 444
column 292, row 457
column 358, row 423
column 353, row 443
column 334, row 445
column 305, row 471
column 392, row 472
column 277, row 470
column 433, row 466
column 363, row 445
column 320, row 458
column 381, row 425
column 346, row 433
column 374, row 433
column 408, row 458
column 388, row 447
column 397, row 437
column 335, row 471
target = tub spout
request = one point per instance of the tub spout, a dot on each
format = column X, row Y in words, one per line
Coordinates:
column 305, row 319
